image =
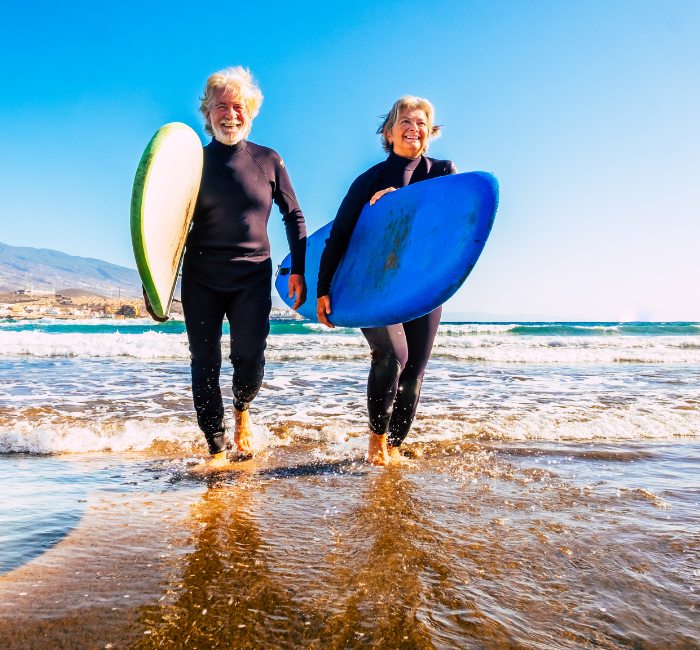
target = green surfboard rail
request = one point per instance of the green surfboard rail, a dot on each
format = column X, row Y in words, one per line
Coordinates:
column 160, row 307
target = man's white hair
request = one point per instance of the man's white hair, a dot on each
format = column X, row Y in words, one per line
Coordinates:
column 240, row 82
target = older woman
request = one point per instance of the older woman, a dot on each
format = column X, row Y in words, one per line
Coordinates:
column 400, row 352
column 227, row 270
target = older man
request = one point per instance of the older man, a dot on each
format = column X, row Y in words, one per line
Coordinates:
column 227, row 270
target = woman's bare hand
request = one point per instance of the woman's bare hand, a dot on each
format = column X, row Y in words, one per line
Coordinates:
column 380, row 194
column 323, row 308
column 297, row 286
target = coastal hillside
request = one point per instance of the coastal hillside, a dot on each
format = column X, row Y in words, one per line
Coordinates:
column 43, row 268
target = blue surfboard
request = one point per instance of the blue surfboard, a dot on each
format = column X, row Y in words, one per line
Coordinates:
column 408, row 254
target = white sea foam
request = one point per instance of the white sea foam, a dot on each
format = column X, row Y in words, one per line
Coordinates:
column 318, row 327
column 476, row 328
column 570, row 350
column 127, row 435
column 115, row 405
column 615, row 424
column 87, row 395
column 602, row 328
column 340, row 438
column 146, row 345
column 458, row 344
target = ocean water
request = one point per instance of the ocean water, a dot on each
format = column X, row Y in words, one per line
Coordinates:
column 551, row 498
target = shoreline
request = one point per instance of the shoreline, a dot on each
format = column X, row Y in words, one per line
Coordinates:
column 274, row 317
column 68, row 317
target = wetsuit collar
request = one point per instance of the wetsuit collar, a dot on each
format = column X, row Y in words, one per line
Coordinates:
column 227, row 149
column 408, row 164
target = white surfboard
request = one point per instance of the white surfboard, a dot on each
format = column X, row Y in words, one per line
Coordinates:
column 162, row 204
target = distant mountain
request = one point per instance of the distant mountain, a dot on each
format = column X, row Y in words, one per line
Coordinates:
column 43, row 268
column 277, row 302
column 78, row 293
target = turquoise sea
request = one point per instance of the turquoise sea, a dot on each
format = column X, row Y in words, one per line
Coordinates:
column 551, row 498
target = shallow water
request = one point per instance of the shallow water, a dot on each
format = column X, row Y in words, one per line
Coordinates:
column 551, row 499
column 535, row 545
column 68, row 405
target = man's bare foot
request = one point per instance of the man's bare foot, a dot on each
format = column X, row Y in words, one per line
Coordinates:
column 212, row 464
column 396, row 456
column 243, row 433
column 377, row 453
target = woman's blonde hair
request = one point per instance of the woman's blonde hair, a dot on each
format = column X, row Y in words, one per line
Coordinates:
column 240, row 82
column 415, row 103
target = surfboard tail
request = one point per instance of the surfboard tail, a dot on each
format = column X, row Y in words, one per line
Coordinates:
column 162, row 205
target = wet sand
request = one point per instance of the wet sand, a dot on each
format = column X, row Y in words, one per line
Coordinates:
column 471, row 545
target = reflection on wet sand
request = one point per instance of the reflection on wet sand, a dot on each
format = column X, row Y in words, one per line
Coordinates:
column 466, row 547
column 463, row 549
column 82, row 592
column 368, row 591
column 226, row 595
column 386, row 583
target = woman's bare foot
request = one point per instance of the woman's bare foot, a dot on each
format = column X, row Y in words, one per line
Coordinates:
column 395, row 455
column 212, row 464
column 243, row 433
column 377, row 453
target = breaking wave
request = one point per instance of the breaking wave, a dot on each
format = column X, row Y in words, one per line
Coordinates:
column 453, row 342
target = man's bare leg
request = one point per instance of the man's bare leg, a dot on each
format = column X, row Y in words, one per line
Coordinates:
column 243, row 433
column 212, row 464
column 377, row 453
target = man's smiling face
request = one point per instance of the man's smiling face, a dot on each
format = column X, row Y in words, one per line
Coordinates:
column 228, row 116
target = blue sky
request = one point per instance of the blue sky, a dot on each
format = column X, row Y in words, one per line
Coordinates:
column 587, row 112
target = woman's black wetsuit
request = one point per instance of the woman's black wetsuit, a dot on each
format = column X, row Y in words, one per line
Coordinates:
column 227, row 272
column 400, row 352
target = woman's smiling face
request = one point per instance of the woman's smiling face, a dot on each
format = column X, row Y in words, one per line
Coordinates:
column 409, row 134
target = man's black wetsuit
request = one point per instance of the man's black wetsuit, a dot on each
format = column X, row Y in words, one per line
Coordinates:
column 400, row 352
column 227, row 272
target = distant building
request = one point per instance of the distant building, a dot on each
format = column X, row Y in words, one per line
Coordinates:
column 284, row 314
column 37, row 293
column 128, row 311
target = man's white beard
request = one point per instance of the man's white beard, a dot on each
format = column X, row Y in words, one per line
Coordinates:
column 229, row 139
